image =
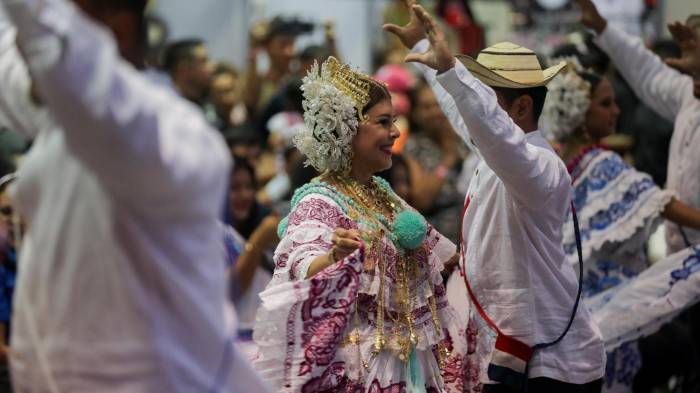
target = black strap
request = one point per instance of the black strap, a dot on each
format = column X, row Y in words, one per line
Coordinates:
column 577, row 233
column 685, row 237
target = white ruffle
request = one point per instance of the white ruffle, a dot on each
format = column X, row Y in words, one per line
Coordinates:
column 641, row 306
column 643, row 216
column 279, row 322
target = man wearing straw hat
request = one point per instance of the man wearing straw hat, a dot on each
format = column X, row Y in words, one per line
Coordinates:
column 523, row 293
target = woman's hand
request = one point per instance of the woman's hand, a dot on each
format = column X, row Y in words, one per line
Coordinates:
column 345, row 242
column 265, row 235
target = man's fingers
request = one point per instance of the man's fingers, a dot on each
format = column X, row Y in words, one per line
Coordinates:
column 673, row 29
column 678, row 64
column 428, row 23
column 422, row 58
column 422, row 15
column 393, row 29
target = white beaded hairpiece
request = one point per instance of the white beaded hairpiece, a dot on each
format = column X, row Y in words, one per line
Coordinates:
column 333, row 102
column 568, row 98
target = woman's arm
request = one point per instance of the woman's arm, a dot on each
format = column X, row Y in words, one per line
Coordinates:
column 264, row 237
column 345, row 243
column 682, row 214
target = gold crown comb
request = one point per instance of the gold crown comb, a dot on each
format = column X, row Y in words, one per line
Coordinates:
column 351, row 83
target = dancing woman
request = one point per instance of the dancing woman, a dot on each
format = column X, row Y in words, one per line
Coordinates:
column 356, row 302
column 618, row 208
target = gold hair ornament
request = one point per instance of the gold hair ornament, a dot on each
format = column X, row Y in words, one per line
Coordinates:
column 354, row 84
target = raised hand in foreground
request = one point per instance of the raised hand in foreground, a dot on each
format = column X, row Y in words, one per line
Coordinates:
column 438, row 56
column 411, row 33
column 689, row 42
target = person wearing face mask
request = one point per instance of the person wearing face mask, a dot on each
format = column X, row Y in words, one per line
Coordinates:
column 618, row 208
column 357, row 285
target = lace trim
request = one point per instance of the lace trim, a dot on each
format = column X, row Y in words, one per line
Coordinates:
column 646, row 206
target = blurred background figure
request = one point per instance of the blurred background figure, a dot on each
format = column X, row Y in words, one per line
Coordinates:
column 187, row 62
column 435, row 155
column 277, row 39
column 249, row 237
column 225, row 109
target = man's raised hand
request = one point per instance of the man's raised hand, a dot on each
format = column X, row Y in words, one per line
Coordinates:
column 689, row 42
column 590, row 17
column 438, row 56
column 410, row 34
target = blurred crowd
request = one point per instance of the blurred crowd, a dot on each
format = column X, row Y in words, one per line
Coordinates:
column 259, row 112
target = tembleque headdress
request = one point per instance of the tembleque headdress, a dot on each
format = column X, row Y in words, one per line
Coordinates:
column 334, row 98
column 568, row 99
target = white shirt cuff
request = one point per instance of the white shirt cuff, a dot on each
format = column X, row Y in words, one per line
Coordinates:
column 456, row 79
column 607, row 39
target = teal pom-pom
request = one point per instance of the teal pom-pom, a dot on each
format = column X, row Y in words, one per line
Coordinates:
column 410, row 229
column 282, row 227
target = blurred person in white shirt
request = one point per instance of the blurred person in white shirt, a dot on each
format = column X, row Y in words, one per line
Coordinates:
column 122, row 287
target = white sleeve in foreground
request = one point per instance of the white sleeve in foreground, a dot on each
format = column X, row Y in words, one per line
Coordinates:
column 140, row 139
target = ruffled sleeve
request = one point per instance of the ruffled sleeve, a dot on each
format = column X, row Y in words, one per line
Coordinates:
column 615, row 204
column 301, row 322
column 308, row 234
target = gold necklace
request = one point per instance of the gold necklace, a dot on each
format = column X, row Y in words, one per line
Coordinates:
column 403, row 332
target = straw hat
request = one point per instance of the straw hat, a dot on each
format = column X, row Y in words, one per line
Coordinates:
column 509, row 65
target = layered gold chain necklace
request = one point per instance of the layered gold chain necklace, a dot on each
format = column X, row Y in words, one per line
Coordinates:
column 376, row 206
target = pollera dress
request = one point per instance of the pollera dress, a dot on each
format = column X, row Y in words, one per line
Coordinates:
column 323, row 333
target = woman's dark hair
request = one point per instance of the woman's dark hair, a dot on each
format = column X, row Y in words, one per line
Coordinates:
column 178, row 52
column 592, row 78
column 377, row 93
column 300, row 174
column 241, row 164
column 257, row 212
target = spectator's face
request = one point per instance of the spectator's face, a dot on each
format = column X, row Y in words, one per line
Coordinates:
column 427, row 113
column 280, row 49
column 250, row 151
column 241, row 194
column 200, row 68
column 375, row 138
column 601, row 118
column 223, row 92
